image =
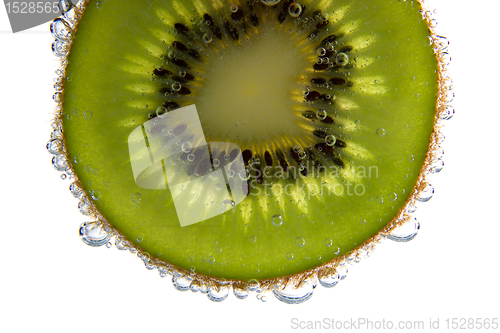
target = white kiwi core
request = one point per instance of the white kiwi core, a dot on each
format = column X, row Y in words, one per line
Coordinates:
column 250, row 89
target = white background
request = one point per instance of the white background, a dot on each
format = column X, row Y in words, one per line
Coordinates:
column 51, row 281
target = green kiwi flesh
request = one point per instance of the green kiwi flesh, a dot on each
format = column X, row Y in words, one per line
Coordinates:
column 380, row 103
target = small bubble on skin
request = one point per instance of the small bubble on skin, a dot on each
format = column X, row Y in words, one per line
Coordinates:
column 211, row 259
column 77, row 159
column 300, row 241
column 295, row 9
column 379, row 200
column 136, row 197
column 88, row 114
column 411, row 158
column 289, row 255
column 393, row 196
column 328, row 242
column 190, row 157
column 277, row 220
column 139, row 238
column 336, row 250
column 252, row 239
column 381, row 132
column 233, row 8
column 218, row 249
column 362, row 221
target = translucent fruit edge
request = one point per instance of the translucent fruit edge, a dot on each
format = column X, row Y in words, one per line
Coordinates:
column 217, row 289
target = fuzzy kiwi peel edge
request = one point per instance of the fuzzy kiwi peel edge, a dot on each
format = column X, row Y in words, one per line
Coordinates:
column 326, row 268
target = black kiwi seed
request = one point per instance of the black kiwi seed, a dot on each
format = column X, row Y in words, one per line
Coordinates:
column 247, row 155
column 181, row 28
column 320, row 67
column 161, row 72
column 268, row 158
column 338, row 81
column 179, row 46
column 318, row 80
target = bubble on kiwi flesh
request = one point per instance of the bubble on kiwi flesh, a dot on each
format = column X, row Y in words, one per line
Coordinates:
column 304, row 96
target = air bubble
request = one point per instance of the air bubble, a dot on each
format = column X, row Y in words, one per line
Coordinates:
column 60, row 48
column 207, row 38
column 302, row 154
column 321, row 51
column 218, row 295
column 270, row 2
column 295, row 10
column 190, row 157
column 405, row 232
column 379, row 199
column 289, row 255
column 187, row 147
column 330, row 140
column 60, row 29
column 342, row 59
column 93, row 234
column 328, row 242
column 88, row 114
column 240, row 293
column 161, row 111
column 381, row 132
column 214, row 175
column 329, row 280
column 296, row 149
column 233, row 8
column 426, row 193
column 227, row 205
column 182, row 73
column 244, row 174
column 292, row 294
column 393, row 196
column 436, row 165
column 304, row 90
column 277, row 220
column 59, row 162
column 176, row 86
column 300, row 241
column 321, row 114
column 216, row 163
column 136, row 197
column 139, row 238
column 54, row 146
column 98, row 4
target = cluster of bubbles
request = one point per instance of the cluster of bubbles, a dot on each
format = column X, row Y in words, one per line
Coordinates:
column 62, row 28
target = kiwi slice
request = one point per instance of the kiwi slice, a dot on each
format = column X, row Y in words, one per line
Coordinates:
column 247, row 143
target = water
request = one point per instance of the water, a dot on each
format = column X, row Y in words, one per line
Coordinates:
column 92, row 234
column 291, row 295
